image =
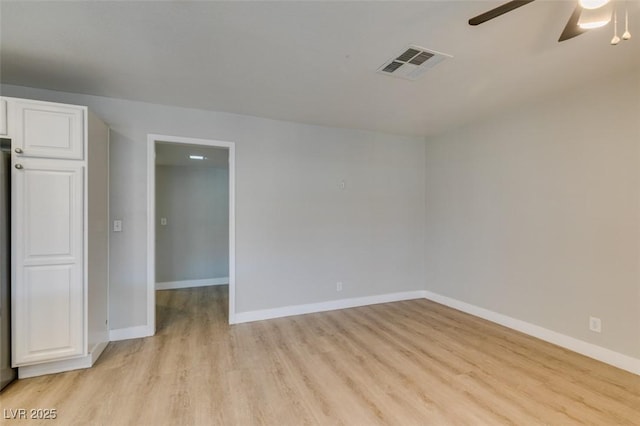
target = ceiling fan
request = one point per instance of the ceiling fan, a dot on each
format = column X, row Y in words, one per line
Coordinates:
column 575, row 25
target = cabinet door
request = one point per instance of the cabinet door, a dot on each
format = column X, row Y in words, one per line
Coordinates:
column 47, row 243
column 48, row 130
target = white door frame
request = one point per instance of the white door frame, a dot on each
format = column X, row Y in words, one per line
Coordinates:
column 151, row 220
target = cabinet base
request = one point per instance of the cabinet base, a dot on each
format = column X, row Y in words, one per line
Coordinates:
column 64, row 365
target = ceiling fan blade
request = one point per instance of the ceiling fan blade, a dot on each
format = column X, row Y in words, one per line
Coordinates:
column 572, row 29
column 500, row 10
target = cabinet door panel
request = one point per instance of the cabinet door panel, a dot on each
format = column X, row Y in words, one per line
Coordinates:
column 48, row 220
column 47, row 236
column 51, row 131
column 51, row 295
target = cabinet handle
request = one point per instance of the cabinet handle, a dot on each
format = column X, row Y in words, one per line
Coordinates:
column 18, row 151
column 19, row 166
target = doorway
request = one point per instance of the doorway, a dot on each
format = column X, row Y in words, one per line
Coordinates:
column 158, row 221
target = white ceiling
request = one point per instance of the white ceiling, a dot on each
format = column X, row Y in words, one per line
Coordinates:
column 310, row 62
column 177, row 154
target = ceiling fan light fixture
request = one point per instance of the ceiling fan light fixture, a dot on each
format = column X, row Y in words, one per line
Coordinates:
column 594, row 24
column 595, row 18
column 593, row 4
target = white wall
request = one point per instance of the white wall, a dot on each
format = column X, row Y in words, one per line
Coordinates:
column 194, row 244
column 297, row 232
column 535, row 214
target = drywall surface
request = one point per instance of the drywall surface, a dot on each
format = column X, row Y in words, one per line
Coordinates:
column 193, row 242
column 297, row 231
column 535, row 214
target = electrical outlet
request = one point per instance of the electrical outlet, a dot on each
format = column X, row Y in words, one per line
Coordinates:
column 595, row 324
column 163, row 221
column 117, row 226
column 339, row 286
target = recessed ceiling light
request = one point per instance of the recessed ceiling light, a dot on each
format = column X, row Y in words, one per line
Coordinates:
column 197, row 157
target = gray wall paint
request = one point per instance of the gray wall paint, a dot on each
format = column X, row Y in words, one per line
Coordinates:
column 536, row 214
column 297, row 232
column 194, row 244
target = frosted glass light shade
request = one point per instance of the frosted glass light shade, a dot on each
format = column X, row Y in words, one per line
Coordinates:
column 595, row 18
column 593, row 4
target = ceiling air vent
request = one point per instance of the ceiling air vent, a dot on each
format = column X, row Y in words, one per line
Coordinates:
column 412, row 63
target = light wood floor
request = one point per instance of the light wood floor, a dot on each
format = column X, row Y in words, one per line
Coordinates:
column 404, row 363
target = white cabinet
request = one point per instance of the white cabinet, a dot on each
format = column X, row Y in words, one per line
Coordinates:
column 48, row 260
column 59, row 236
column 48, row 130
column 3, row 117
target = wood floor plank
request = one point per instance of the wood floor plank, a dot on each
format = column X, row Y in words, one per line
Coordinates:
column 406, row 363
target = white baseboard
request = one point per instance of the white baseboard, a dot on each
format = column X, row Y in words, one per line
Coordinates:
column 171, row 285
column 332, row 305
column 131, row 333
column 64, row 365
column 599, row 353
